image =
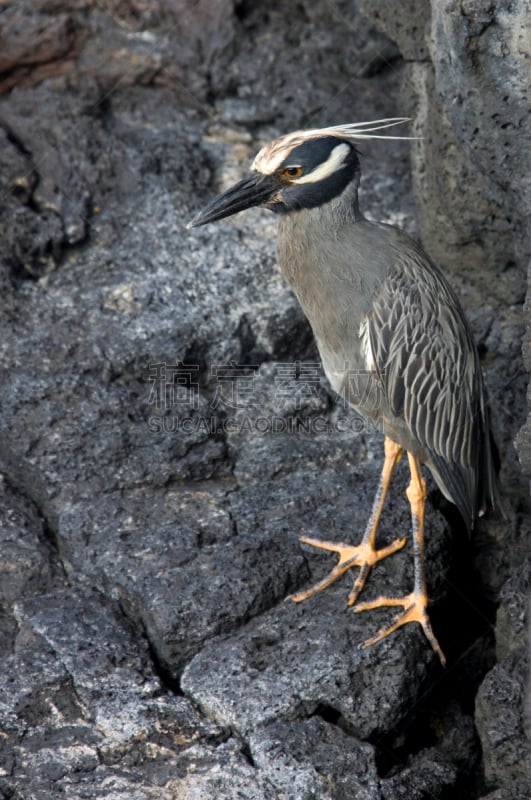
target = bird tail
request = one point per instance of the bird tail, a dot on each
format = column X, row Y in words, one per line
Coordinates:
column 457, row 483
column 474, row 490
column 489, row 493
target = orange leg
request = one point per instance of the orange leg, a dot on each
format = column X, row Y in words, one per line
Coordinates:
column 364, row 555
column 415, row 604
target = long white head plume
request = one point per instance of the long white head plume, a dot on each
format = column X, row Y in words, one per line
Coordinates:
column 272, row 155
column 361, row 130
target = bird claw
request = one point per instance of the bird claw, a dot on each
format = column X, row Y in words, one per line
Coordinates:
column 363, row 555
column 414, row 606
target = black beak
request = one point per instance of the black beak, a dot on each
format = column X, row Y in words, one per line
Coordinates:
column 251, row 191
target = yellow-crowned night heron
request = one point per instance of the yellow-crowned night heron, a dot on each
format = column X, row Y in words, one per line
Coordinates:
column 392, row 337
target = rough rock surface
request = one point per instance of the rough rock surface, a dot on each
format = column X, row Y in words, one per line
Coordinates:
column 502, row 702
column 167, row 433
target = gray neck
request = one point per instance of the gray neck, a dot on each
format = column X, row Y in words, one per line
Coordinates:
column 322, row 254
column 345, row 208
column 341, row 210
column 305, row 236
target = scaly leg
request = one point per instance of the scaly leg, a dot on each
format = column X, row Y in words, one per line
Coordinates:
column 415, row 604
column 364, row 555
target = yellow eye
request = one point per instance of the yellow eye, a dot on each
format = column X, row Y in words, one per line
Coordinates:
column 292, row 172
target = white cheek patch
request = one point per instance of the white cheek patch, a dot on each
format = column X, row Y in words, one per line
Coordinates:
column 334, row 161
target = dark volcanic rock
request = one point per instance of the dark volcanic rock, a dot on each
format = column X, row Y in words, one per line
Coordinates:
column 314, row 759
column 27, row 564
column 298, row 657
column 517, row 791
column 83, row 714
column 167, row 433
column 479, row 58
column 503, row 698
column 428, row 775
column 469, row 76
column 500, row 721
column 206, row 579
column 511, row 615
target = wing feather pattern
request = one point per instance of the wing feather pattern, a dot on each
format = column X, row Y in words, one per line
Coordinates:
column 429, row 370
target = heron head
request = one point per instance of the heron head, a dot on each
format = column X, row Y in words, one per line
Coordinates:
column 301, row 170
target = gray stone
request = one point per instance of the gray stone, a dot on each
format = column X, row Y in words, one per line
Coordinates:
column 27, row 567
column 296, row 657
column 500, row 721
column 511, row 614
column 454, row 233
column 207, row 579
column 30, row 38
column 517, row 791
column 292, row 660
column 426, row 776
column 479, row 57
column 472, row 114
column 318, row 63
column 409, row 29
column 175, row 525
column 223, row 773
column 83, row 711
column 314, row 759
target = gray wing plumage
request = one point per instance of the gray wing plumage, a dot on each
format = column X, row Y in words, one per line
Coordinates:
column 429, row 372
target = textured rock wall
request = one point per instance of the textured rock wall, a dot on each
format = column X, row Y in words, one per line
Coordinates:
column 469, row 74
column 469, row 71
column 149, row 526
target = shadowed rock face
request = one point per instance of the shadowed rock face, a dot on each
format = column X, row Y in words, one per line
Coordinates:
column 167, row 433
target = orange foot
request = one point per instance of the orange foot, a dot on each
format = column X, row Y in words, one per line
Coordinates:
column 363, row 555
column 415, row 610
